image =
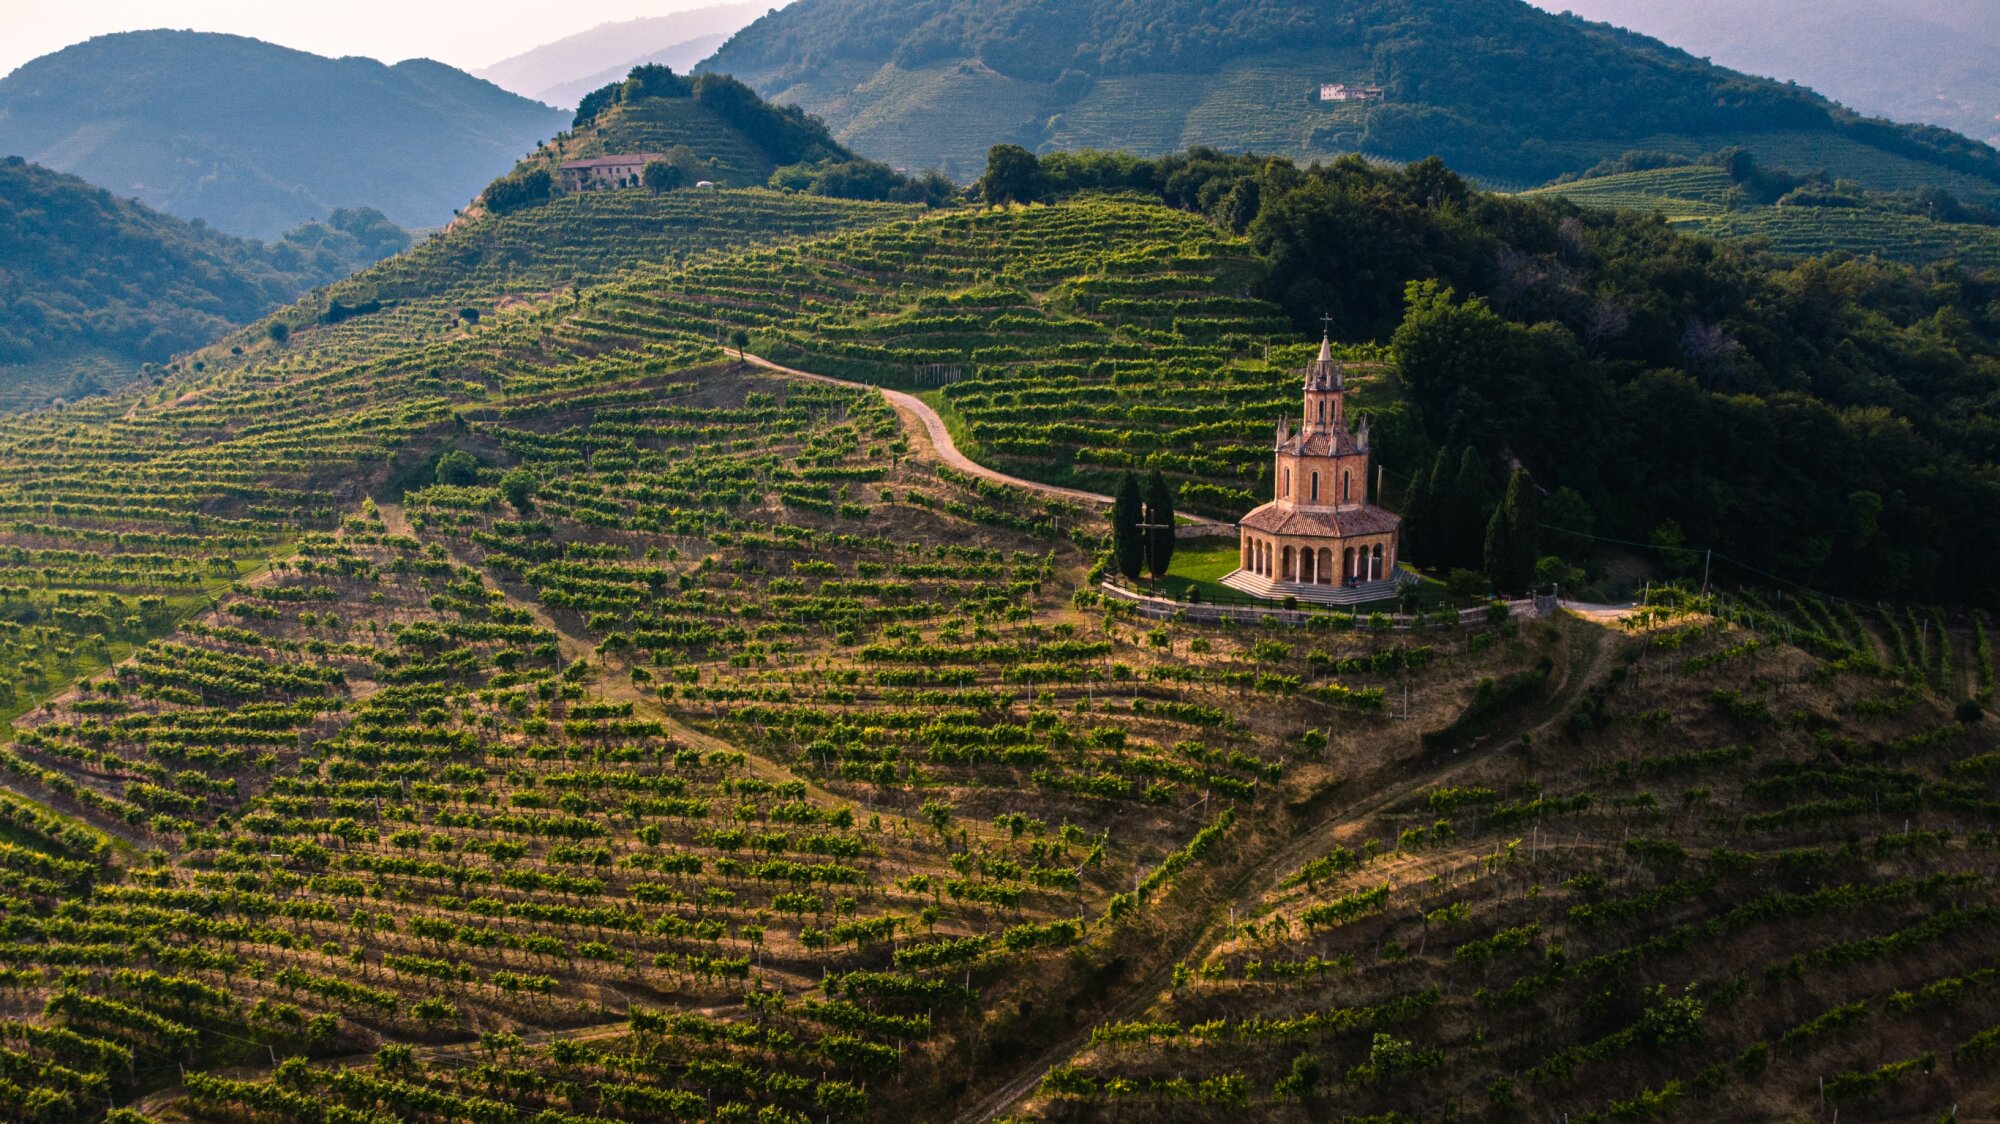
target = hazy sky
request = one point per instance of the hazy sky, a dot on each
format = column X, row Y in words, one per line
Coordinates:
column 464, row 33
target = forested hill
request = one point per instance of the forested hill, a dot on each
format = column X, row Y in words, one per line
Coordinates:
column 256, row 139
column 1501, row 90
column 94, row 285
column 1911, row 60
column 708, row 127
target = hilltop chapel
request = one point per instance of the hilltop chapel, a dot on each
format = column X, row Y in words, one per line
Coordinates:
column 1319, row 539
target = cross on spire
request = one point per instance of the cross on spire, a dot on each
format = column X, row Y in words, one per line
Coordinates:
column 1327, row 321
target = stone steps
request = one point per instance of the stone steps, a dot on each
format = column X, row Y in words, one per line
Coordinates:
column 1264, row 588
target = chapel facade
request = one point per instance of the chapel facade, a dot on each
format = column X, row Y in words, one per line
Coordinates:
column 1319, row 538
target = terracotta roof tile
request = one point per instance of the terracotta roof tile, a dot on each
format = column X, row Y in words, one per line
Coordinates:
column 1346, row 522
column 1322, row 444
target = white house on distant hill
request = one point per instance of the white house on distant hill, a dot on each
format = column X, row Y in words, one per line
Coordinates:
column 1340, row 91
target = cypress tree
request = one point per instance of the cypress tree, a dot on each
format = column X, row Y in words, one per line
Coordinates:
column 1439, row 543
column 1159, row 514
column 1128, row 542
column 1417, row 514
column 1512, row 536
column 1472, row 498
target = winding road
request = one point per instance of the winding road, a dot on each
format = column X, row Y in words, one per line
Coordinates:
column 910, row 406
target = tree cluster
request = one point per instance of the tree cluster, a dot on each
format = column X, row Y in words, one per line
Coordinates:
column 1142, row 527
column 806, row 156
column 87, row 272
column 1830, row 420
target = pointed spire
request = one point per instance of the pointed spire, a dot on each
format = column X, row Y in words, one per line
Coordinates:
column 1326, row 348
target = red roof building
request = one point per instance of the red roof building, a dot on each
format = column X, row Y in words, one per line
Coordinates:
column 607, row 171
column 1319, row 538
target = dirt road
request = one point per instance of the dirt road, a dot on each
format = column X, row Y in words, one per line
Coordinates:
column 947, row 450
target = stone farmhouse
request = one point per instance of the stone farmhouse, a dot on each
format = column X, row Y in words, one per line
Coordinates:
column 607, row 171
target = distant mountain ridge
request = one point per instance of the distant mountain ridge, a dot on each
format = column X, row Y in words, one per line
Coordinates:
column 680, row 57
column 256, row 139
column 1935, row 61
column 1502, row 90
column 560, row 73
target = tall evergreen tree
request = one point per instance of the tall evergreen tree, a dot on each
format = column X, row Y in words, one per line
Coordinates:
column 1160, row 518
column 1472, row 499
column 1440, row 539
column 1128, row 542
column 1418, row 511
column 1513, row 536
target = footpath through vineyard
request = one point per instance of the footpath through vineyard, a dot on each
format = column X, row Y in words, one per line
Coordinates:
column 1355, row 806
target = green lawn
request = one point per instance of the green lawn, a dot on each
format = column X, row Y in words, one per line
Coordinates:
column 1202, row 564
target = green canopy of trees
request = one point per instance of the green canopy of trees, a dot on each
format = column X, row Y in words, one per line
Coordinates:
column 86, row 271
column 1513, row 536
column 1832, row 420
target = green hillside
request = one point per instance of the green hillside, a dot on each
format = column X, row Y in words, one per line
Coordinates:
column 1502, row 91
column 708, row 128
column 1612, row 357
column 96, row 286
column 256, row 139
column 1703, row 199
column 1908, row 60
column 1674, row 897
column 549, row 719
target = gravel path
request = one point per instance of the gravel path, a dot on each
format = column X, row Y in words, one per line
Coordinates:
column 947, row 449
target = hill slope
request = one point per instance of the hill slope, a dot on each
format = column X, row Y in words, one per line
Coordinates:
column 1908, row 60
column 1703, row 199
column 256, row 139
column 95, row 285
column 1501, row 90
column 711, row 128
column 550, row 720
column 561, row 72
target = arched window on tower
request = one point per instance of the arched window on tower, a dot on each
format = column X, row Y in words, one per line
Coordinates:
column 1322, row 412
column 1288, row 483
column 1315, row 488
column 1344, row 481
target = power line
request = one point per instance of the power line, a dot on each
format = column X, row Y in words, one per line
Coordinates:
column 1712, row 552
column 1620, row 542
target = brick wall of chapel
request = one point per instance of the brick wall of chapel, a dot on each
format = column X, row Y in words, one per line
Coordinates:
column 1329, row 469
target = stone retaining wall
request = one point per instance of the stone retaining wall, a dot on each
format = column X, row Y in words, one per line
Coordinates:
column 1160, row 609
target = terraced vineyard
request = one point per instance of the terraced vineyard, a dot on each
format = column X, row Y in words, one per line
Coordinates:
column 544, row 718
column 717, row 738
column 1731, row 877
column 1073, row 341
column 1696, row 199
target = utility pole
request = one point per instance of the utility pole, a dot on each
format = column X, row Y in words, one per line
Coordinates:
column 1708, row 561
